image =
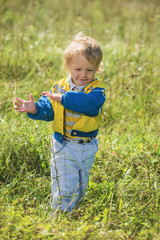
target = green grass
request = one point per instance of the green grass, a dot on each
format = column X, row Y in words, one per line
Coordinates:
column 123, row 196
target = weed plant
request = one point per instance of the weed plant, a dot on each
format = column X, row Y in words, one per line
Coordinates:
column 123, row 196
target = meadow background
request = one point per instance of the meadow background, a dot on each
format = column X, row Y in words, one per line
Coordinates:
column 123, row 196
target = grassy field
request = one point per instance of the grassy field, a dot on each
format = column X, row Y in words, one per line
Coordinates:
column 123, row 196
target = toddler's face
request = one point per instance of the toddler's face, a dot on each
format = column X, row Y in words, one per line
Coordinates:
column 82, row 71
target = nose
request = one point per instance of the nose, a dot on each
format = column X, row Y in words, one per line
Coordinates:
column 84, row 74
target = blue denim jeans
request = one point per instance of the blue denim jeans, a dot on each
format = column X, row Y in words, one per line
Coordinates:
column 70, row 166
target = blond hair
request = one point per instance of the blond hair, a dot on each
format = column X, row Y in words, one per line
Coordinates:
column 86, row 46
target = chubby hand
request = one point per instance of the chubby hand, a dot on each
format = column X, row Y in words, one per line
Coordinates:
column 25, row 106
column 56, row 97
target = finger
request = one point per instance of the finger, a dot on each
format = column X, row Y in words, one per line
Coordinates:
column 22, row 110
column 19, row 109
column 31, row 98
column 17, row 104
column 46, row 93
column 19, row 100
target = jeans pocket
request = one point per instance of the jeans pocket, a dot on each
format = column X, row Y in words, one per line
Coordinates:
column 57, row 146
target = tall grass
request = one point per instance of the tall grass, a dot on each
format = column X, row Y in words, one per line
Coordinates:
column 123, row 196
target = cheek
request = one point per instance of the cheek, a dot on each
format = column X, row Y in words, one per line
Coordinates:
column 91, row 75
column 73, row 73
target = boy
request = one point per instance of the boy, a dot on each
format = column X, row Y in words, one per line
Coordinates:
column 74, row 104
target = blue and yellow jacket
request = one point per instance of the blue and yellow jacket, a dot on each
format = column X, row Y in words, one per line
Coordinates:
column 88, row 103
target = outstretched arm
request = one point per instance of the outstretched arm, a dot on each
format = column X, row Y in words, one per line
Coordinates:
column 26, row 106
column 41, row 110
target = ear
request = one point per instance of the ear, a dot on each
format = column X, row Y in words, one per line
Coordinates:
column 67, row 66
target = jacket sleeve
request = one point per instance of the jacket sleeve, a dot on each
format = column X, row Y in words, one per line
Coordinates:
column 87, row 103
column 44, row 110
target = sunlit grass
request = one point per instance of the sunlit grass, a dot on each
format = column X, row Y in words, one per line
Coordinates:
column 122, row 200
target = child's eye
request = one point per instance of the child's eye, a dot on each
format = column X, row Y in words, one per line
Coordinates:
column 77, row 69
column 90, row 70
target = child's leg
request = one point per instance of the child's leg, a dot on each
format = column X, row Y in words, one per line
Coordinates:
column 65, row 177
column 89, row 151
column 73, row 162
